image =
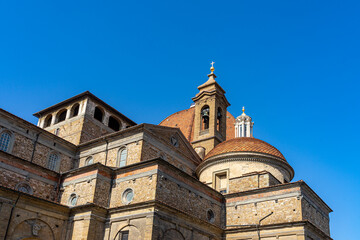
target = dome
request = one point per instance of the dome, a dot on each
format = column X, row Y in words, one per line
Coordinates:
column 245, row 144
column 185, row 121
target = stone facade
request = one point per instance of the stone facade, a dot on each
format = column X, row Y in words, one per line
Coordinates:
column 89, row 172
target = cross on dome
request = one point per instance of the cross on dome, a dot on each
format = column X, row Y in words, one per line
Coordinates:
column 212, row 66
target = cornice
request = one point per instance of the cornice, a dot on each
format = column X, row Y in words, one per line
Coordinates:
column 245, row 156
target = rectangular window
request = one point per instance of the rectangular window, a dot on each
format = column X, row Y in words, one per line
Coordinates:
column 124, row 235
column 221, row 182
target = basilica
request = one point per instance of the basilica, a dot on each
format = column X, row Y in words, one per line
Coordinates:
column 86, row 171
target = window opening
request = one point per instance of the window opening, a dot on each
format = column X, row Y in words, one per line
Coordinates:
column 98, row 114
column 210, row 215
column 73, row 199
column 89, row 161
column 48, row 121
column 25, row 188
column 75, row 110
column 53, row 161
column 218, row 122
column 128, row 196
column 221, row 182
column 205, row 113
column 62, row 116
column 5, row 141
column 122, row 157
column 114, row 124
column 124, row 235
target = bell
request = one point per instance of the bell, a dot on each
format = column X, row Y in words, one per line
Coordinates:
column 205, row 113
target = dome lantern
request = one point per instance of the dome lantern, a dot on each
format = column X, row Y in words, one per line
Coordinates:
column 244, row 125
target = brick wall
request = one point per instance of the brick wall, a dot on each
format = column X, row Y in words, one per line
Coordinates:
column 250, row 208
column 142, row 182
column 251, row 181
column 317, row 216
column 49, row 217
column 188, row 195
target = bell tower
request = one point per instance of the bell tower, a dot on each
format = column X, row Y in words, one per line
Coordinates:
column 210, row 115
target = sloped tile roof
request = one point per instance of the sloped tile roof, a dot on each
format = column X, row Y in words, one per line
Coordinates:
column 244, row 144
column 185, row 121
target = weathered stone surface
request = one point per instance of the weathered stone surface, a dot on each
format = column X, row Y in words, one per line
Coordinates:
column 169, row 200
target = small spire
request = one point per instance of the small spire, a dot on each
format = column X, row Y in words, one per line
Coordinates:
column 243, row 109
column 212, row 67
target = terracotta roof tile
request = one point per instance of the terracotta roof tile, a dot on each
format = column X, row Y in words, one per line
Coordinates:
column 244, row 144
column 185, row 121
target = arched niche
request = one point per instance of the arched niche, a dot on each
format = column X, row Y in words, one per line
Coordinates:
column 171, row 234
column 32, row 229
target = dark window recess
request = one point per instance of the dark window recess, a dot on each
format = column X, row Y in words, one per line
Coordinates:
column 75, row 110
column 210, row 215
column 48, row 121
column 62, row 116
column 205, row 113
column 114, row 124
column 124, row 235
column 98, row 114
column 218, row 120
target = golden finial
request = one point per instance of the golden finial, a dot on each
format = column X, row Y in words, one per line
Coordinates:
column 212, row 67
column 243, row 109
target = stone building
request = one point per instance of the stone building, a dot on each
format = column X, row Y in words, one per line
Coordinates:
column 87, row 171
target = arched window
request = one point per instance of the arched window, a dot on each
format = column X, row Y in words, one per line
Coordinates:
column 89, row 161
column 73, row 199
column 98, row 114
column 53, row 163
column 122, row 155
column 210, row 215
column 61, row 115
column 25, row 188
column 114, row 124
column 75, row 110
column 5, row 141
column 219, row 120
column 48, row 120
column 205, row 114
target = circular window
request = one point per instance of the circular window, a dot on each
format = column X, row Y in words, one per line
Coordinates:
column 89, row 161
column 210, row 215
column 128, row 196
column 73, row 200
column 25, row 188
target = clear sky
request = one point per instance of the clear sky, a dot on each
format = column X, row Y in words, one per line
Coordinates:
column 294, row 65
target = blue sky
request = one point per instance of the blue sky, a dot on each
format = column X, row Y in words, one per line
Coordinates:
column 294, row 65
